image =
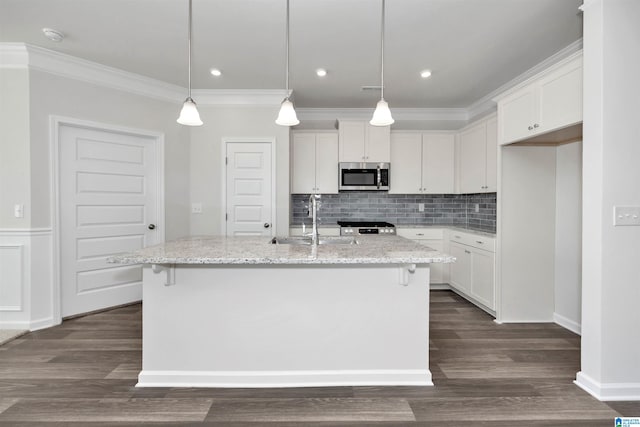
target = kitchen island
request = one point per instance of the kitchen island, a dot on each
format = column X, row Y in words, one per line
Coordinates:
column 243, row 312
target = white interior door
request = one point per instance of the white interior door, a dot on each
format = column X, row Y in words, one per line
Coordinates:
column 108, row 192
column 249, row 189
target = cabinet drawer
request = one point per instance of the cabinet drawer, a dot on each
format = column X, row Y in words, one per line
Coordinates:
column 474, row 240
column 421, row 233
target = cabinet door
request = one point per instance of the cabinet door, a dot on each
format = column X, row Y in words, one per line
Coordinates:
column 438, row 163
column 352, row 137
column 482, row 280
column 460, row 275
column 377, row 143
column 436, row 267
column 406, row 166
column 303, row 161
column 517, row 113
column 491, row 181
column 327, row 163
column 560, row 97
column 473, row 159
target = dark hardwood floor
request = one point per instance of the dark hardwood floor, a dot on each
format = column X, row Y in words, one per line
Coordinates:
column 84, row 371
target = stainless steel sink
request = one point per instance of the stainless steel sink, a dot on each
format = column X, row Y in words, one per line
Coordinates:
column 304, row 240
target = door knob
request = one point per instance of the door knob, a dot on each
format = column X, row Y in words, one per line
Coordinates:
column 152, row 226
column 267, row 225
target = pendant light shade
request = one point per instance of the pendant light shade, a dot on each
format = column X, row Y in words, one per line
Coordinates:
column 189, row 115
column 382, row 114
column 287, row 115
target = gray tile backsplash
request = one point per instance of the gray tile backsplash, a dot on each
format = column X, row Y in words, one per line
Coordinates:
column 401, row 209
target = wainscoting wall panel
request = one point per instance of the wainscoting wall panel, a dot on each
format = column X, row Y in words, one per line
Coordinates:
column 11, row 277
column 27, row 279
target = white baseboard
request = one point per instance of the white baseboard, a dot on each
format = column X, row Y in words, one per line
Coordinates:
column 439, row 287
column 29, row 325
column 608, row 391
column 567, row 323
column 279, row 379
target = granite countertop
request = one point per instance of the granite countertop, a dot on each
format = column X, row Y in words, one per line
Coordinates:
column 259, row 250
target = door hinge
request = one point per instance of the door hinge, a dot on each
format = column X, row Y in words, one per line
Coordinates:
column 226, row 160
column 226, row 217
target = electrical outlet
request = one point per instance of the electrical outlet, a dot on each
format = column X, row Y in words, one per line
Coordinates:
column 626, row 215
column 196, row 208
column 18, row 211
column 420, row 207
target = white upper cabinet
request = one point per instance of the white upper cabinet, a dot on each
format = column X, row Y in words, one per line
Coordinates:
column 551, row 101
column 314, row 163
column 422, row 163
column 438, row 163
column 405, row 175
column 361, row 142
column 477, row 157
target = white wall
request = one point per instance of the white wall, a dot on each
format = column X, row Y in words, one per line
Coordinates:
column 568, row 244
column 611, row 176
column 526, row 234
column 207, row 164
column 15, row 186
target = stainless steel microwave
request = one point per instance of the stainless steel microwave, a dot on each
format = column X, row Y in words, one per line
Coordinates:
column 363, row 176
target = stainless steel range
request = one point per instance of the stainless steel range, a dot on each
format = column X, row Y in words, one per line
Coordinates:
column 354, row 228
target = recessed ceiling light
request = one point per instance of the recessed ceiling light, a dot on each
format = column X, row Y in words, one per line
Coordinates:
column 216, row 72
column 53, row 35
column 321, row 72
column 425, row 74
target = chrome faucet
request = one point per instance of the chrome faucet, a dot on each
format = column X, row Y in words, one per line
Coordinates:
column 314, row 204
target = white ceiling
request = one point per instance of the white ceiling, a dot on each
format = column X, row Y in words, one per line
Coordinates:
column 472, row 46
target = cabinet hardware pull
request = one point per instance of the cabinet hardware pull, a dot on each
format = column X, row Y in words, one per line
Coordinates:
column 466, row 251
column 480, row 241
column 457, row 237
column 419, row 234
column 536, row 125
column 530, row 128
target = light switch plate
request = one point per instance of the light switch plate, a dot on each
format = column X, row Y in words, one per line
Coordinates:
column 18, row 211
column 626, row 215
column 196, row 208
column 420, row 207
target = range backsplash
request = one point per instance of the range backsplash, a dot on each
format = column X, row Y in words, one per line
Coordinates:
column 401, row 209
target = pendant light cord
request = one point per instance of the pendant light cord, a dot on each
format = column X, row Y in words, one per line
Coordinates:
column 189, row 49
column 381, row 56
column 287, row 54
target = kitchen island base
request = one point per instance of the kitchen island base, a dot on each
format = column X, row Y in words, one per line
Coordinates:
column 285, row 325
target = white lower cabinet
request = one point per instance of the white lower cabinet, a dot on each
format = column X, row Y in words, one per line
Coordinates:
column 433, row 238
column 473, row 273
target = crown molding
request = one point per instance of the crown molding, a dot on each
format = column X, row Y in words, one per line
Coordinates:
column 13, row 56
column 260, row 97
column 322, row 114
column 68, row 66
column 24, row 56
column 555, row 61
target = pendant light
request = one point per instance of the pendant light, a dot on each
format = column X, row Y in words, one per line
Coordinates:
column 287, row 115
column 189, row 114
column 382, row 114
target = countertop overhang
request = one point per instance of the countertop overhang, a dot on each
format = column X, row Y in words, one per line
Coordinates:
column 257, row 250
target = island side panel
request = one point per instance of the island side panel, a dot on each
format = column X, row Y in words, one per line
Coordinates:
column 285, row 326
